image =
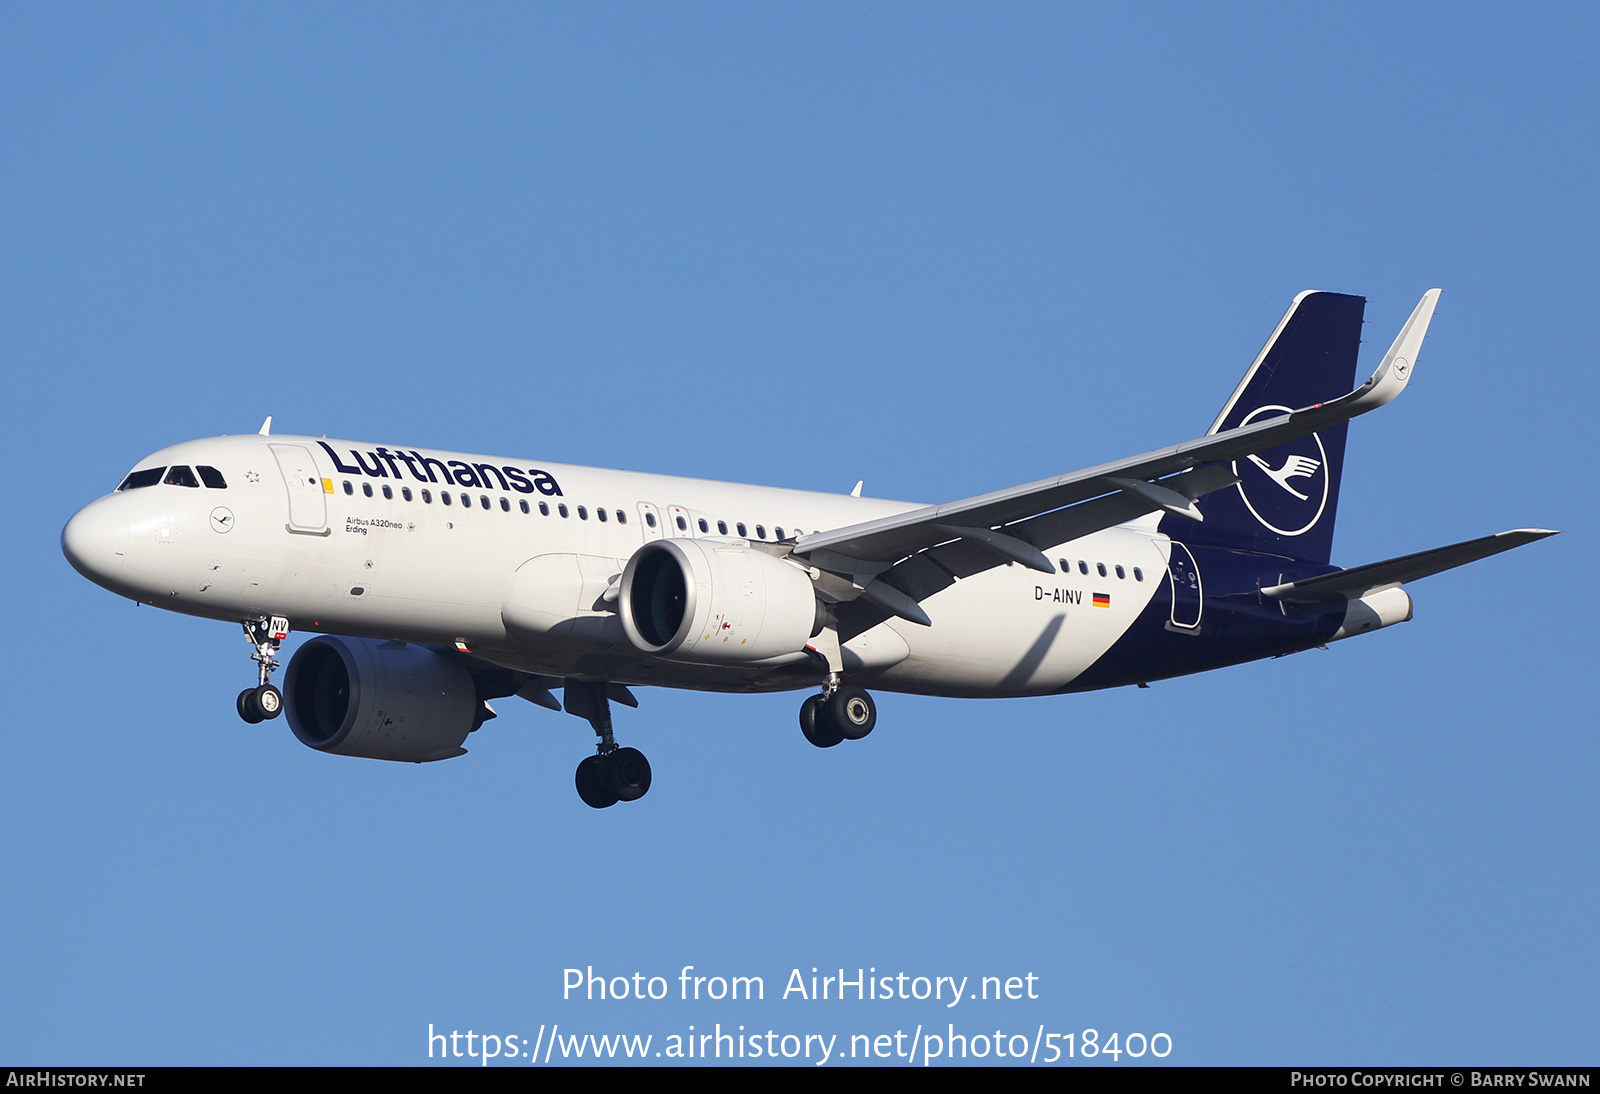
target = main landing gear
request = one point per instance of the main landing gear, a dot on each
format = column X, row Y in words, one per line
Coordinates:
column 264, row 701
column 613, row 774
column 840, row 713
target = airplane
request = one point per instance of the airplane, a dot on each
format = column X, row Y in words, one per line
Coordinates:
column 439, row 581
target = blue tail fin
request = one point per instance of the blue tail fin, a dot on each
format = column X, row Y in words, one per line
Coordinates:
column 1287, row 496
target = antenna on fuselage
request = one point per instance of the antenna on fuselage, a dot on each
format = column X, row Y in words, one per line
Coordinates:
column 856, row 493
column 266, row 427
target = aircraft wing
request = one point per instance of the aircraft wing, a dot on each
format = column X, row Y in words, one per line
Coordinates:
column 1360, row 581
column 1011, row 525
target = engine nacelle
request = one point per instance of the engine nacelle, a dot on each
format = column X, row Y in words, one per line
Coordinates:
column 362, row 697
column 716, row 603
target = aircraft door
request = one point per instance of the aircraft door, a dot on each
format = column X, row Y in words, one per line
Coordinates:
column 650, row 521
column 308, row 505
column 1188, row 598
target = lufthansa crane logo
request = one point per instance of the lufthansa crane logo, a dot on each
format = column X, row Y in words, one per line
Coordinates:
column 1285, row 488
column 1296, row 467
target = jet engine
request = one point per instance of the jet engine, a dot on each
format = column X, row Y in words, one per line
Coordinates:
column 716, row 603
column 382, row 700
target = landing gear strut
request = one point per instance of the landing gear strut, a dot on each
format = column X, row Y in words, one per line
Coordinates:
column 263, row 701
column 613, row 774
column 840, row 713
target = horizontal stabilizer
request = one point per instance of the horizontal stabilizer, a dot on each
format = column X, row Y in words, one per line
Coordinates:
column 1361, row 581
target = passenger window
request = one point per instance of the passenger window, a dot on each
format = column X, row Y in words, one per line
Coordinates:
column 405, row 492
column 650, row 519
column 1101, row 566
column 466, row 502
column 583, row 514
column 742, row 532
column 544, row 509
column 148, row 477
column 777, row 533
column 348, row 489
column 524, row 504
column 212, row 477
column 483, row 500
column 1121, row 575
column 1138, row 574
column 181, row 476
column 704, row 527
column 444, row 496
column 562, row 509
column 388, row 493
column 1083, row 567
column 366, row 488
column 761, row 532
column 683, row 525
column 722, row 527
column 427, row 497
column 601, row 513
column 622, row 518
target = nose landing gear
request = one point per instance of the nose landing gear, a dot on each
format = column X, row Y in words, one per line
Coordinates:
column 264, row 701
column 844, row 713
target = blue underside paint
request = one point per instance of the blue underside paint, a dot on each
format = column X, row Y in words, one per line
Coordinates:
column 1237, row 623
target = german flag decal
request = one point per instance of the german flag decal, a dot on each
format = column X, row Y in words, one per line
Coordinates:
column 1102, row 600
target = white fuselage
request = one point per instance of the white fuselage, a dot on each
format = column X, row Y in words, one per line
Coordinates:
column 516, row 566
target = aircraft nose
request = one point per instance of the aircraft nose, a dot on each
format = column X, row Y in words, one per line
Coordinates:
column 95, row 540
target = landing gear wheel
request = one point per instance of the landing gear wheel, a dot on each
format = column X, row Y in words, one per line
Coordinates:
column 628, row 774
column 819, row 729
column 852, row 710
column 269, row 701
column 248, row 710
column 593, row 786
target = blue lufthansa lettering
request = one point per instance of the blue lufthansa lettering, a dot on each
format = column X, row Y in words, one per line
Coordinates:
column 485, row 469
column 376, row 470
column 429, row 463
column 388, row 458
column 338, row 465
column 545, row 482
column 483, row 475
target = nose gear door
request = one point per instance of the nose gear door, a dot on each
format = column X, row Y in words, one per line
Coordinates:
column 308, row 505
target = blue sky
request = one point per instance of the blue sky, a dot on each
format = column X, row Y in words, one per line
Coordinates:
column 943, row 248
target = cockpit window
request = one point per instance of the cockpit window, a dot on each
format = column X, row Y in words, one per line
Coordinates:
column 148, row 477
column 181, row 476
column 212, row 477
